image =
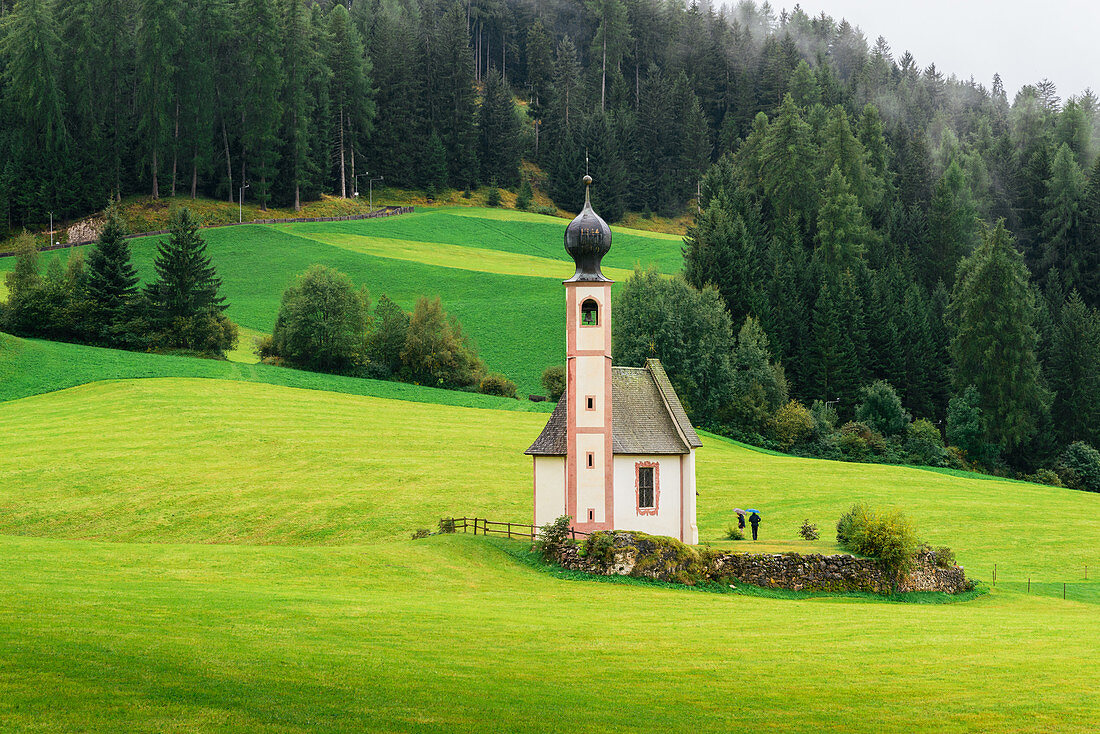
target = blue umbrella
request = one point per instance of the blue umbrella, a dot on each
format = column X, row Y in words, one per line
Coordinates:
column 756, row 511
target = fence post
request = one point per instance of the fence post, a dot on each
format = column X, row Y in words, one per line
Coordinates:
column 1063, row 591
column 509, row 531
column 994, row 574
column 1029, row 584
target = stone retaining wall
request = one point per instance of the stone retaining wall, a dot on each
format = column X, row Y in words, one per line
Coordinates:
column 667, row 559
column 835, row 573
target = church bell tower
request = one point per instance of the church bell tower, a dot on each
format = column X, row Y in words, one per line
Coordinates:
column 589, row 472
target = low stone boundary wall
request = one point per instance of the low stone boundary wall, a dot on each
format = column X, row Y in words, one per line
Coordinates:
column 667, row 559
column 835, row 573
column 389, row 211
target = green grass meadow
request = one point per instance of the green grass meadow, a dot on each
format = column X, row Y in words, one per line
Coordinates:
column 193, row 545
column 498, row 271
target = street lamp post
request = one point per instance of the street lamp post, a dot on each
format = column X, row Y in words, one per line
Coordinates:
column 356, row 183
column 830, row 402
column 240, row 204
column 370, row 185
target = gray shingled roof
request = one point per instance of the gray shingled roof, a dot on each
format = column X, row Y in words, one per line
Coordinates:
column 646, row 416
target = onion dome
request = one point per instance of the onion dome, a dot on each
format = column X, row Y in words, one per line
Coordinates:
column 587, row 240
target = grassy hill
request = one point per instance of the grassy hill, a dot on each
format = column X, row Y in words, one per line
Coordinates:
column 223, row 546
column 209, row 555
column 498, row 271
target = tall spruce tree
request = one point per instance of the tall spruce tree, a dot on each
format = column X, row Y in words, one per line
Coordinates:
column 112, row 281
column 186, row 282
column 261, row 107
column 1063, row 236
column 995, row 341
column 498, row 134
column 1074, row 369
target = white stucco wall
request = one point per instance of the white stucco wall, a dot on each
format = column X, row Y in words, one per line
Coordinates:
column 690, row 528
column 591, row 380
column 668, row 520
column 549, row 488
column 591, row 487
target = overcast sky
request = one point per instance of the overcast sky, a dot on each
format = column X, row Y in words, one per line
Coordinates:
column 1023, row 41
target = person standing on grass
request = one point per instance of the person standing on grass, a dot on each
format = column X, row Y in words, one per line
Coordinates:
column 754, row 520
column 740, row 521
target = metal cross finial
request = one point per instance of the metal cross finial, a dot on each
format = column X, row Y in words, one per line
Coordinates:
column 586, row 161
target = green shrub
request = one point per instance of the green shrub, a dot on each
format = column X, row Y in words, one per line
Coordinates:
column 421, row 533
column 552, row 537
column 808, row 531
column 495, row 383
column 924, row 444
column 945, row 557
column 793, row 423
column 523, row 198
column 599, row 547
column 735, row 533
column 436, row 351
column 447, row 525
column 880, row 408
column 494, row 197
column 890, row 537
column 851, row 525
column 869, row 440
column 466, row 194
column 547, row 210
column 321, row 324
column 1048, row 477
column 1079, row 467
column 553, row 380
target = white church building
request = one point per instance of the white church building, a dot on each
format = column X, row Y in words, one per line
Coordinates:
column 618, row 452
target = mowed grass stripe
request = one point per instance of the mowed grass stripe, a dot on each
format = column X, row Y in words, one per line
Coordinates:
column 33, row 367
column 251, row 463
column 511, row 231
column 457, row 256
column 450, row 634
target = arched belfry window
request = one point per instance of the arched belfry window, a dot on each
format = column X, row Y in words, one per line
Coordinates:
column 590, row 313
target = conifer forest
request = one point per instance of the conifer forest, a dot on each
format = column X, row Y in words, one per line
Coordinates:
column 877, row 220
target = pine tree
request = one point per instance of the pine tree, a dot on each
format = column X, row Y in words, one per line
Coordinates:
column 1063, row 220
column 759, row 387
column 159, row 39
column 186, row 282
column 451, row 86
column 787, row 164
column 843, row 233
column 349, row 94
column 261, row 108
column 299, row 63
column 112, row 281
column 995, row 341
column 540, row 75
column 720, row 252
column 952, row 225
column 498, row 134
column 1074, row 369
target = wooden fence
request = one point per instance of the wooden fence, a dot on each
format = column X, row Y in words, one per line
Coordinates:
column 490, row 527
column 387, row 211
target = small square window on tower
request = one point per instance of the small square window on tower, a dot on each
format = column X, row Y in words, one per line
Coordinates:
column 590, row 402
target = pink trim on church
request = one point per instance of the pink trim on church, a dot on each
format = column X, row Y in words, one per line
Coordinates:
column 638, row 465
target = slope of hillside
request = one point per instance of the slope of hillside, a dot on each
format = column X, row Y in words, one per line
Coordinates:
column 498, row 271
column 241, row 462
column 234, row 556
